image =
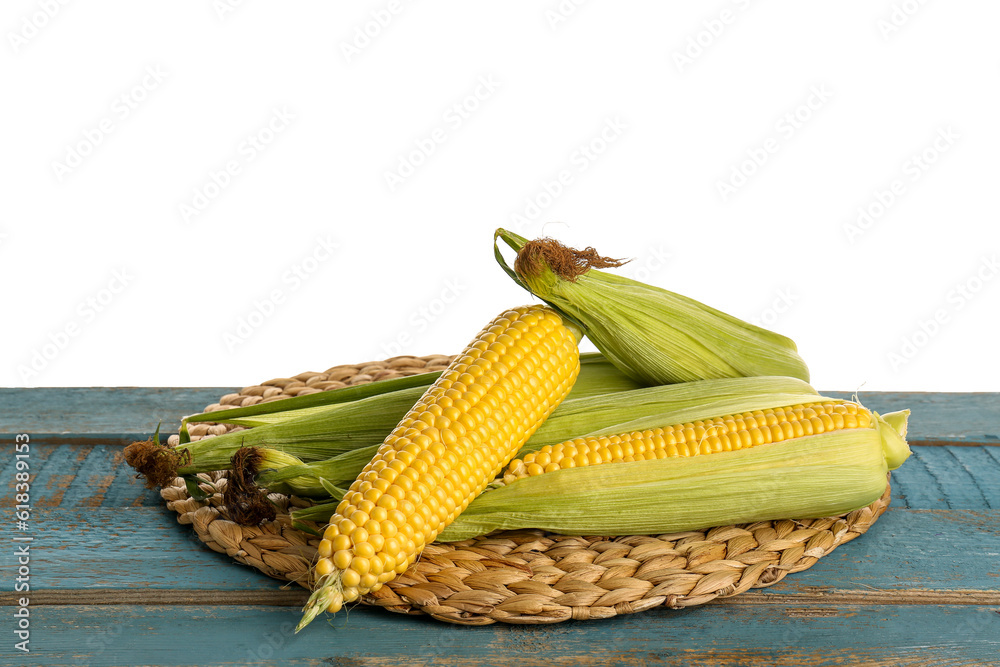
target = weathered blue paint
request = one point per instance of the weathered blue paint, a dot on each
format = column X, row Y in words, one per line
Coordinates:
column 945, row 477
column 101, row 411
column 126, row 548
column 788, row 635
column 80, row 475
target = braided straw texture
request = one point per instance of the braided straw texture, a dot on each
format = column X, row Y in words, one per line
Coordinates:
column 528, row 576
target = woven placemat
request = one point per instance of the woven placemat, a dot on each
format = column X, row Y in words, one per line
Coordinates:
column 527, row 576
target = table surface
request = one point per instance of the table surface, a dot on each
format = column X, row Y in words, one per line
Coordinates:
column 114, row 580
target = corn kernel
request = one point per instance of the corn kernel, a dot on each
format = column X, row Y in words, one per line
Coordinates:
column 342, row 559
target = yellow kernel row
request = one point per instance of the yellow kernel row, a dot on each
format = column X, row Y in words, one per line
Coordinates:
column 722, row 434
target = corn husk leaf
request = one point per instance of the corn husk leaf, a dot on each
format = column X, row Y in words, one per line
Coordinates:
column 244, row 415
column 337, row 429
column 894, row 425
column 306, row 479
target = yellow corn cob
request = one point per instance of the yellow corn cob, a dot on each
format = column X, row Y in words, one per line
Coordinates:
column 444, row 452
column 722, row 434
column 810, row 457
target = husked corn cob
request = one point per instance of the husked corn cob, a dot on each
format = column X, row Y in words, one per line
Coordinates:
column 722, row 434
column 444, row 452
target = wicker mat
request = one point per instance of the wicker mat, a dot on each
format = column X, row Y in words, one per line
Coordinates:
column 526, row 576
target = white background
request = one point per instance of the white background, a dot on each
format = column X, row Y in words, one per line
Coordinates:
column 122, row 262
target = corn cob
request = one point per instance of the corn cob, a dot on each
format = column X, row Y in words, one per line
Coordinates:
column 594, row 489
column 650, row 334
column 444, row 452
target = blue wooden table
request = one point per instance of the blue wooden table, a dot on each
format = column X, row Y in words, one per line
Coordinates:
column 114, row 580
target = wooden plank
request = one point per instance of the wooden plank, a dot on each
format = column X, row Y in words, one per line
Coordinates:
column 126, row 548
column 107, row 413
column 143, row 547
column 120, row 414
column 911, row 549
column 796, row 635
column 93, row 475
column 946, row 477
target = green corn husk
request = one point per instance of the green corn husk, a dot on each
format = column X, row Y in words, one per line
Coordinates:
column 293, row 406
column 318, row 431
column 652, row 335
column 272, row 412
column 598, row 377
column 275, row 458
column 312, row 480
column 617, row 412
column 809, row 477
column 334, row 429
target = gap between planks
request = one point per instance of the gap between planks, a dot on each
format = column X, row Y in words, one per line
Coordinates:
column 297, row 598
